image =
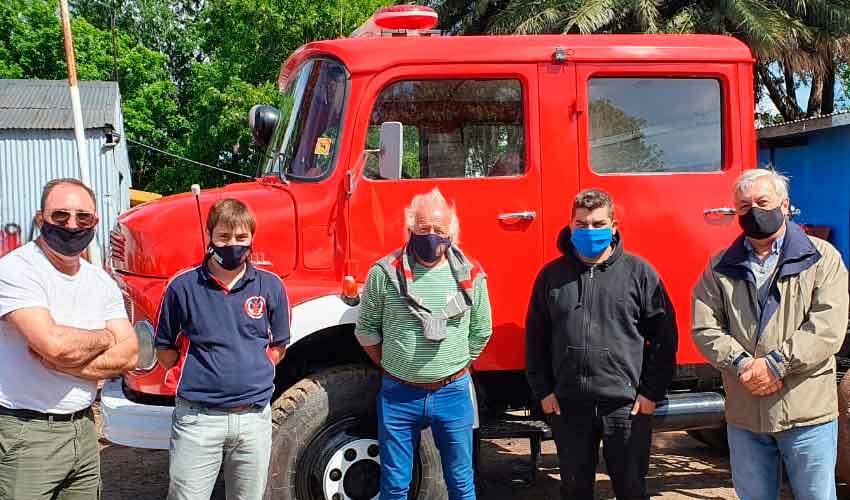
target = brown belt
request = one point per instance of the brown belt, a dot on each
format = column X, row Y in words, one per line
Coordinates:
column 430, row 386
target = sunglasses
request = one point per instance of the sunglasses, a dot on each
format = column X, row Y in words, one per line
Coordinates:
column 85, row 220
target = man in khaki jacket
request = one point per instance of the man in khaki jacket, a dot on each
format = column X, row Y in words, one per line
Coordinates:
column 770, row 312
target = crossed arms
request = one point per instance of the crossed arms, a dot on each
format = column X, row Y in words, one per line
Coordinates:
column 86, row 354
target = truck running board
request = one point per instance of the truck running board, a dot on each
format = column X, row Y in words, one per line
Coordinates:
column 679, row 412
column 689, row 411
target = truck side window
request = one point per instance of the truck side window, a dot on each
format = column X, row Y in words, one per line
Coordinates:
column 645, row 125
column 453, row 128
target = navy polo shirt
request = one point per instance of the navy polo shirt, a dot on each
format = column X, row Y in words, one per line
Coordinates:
column 228, row 333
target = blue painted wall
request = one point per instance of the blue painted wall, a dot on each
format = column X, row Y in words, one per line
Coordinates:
column 820, row 181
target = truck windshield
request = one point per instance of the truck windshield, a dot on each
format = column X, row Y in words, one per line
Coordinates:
column 307, row 139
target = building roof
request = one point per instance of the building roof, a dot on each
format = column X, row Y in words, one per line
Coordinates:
column 46, row 104
column 805, row 125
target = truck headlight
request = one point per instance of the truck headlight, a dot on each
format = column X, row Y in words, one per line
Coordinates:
column 147, row 352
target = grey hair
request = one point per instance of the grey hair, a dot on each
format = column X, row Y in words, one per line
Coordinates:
column 433, row 197
column 749, row 177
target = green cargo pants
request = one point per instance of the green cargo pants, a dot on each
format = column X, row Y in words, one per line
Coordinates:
column 47, row 460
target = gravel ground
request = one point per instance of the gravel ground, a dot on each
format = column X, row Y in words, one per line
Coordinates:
column 681, row 468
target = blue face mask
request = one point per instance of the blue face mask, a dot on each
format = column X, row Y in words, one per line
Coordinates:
column 591, row 243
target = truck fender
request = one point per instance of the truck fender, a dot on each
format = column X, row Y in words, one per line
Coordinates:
column 321, row 313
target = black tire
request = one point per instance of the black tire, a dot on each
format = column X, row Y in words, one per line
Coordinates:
column 322, row 413
column 713, row 438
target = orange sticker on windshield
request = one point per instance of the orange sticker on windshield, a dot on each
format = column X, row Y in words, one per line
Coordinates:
column 323, row 146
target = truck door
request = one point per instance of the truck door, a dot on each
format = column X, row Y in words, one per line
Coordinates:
column 468, row 130
column 666, row 141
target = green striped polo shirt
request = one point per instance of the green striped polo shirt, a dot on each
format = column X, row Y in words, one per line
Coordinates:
column 407, row 354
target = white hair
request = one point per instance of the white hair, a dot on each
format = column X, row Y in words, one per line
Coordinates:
column 749, row 177
column 431, row 198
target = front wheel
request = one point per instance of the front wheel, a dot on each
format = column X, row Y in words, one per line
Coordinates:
column 325, row 442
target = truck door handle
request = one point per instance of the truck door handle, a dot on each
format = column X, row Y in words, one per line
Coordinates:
column 527, row 215
column 720, row 211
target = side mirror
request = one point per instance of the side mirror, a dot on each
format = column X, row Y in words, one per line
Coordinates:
column 392, row 148
column 263, row 120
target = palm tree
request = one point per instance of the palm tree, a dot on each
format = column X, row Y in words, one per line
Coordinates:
column 792, row 40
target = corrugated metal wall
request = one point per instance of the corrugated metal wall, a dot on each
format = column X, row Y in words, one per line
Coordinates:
column 30, row 158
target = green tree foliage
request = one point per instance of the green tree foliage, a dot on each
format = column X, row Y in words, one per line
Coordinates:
column 259, row 33
column 795, row 41
column 189, row 70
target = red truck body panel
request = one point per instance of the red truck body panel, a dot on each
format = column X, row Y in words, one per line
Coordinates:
column 314, row 233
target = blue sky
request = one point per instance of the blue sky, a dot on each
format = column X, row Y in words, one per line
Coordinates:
column 765, row 104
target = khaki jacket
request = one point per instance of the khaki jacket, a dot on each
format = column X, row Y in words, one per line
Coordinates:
column 799, row 330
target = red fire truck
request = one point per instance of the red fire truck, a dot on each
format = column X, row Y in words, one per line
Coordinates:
column 510, row 129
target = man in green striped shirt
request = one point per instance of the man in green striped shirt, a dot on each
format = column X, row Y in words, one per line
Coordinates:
column 424, row 317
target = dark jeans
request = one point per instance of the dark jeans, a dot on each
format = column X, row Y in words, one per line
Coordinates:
column 44, row 460
column 625, row 446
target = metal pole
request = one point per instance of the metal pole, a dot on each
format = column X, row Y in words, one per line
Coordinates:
column 76, row 108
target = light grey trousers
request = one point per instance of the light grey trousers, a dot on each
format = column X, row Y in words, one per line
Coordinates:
column 204, row 440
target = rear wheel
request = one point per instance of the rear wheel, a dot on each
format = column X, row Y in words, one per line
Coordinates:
column 713, row 438
column 325, row 443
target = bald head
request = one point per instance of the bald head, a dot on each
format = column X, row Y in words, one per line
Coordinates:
column 72, row 192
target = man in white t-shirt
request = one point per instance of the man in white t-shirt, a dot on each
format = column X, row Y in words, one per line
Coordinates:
column 63, row 327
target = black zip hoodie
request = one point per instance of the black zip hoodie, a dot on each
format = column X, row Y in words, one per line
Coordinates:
column 601, row 333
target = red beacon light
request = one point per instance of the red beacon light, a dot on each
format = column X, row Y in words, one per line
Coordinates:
column 400, row 20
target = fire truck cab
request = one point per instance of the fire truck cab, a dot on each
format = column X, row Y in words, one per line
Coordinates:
column 510, row 129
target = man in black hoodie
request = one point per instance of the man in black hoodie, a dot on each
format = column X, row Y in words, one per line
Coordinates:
column 600, row 351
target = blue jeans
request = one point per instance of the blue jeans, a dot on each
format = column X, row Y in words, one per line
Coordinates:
column 808, row 454
column 403, row 412
column 201, row 439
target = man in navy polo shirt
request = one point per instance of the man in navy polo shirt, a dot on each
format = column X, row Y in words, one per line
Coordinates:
column 235, row 318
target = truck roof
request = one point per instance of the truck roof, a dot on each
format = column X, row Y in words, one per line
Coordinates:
column 373, row 54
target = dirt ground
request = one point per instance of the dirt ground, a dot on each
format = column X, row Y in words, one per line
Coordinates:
column 681, row 468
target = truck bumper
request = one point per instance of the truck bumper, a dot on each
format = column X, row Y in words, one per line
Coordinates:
column 133, row 424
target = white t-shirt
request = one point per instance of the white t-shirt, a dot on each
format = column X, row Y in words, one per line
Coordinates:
column 86, row 300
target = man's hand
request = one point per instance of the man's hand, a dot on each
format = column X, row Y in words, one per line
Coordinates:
column 375, row 353
column 167, row 357
column 550, row 405
column 643, row 405
column 759, row 379
column 275, row 353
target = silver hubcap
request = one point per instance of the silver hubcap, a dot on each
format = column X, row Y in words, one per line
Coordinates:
column 352, row 472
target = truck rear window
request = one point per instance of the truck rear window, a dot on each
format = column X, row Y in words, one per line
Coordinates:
column 655, row 125
column 453, row 128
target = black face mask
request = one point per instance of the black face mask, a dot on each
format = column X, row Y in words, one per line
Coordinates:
column 759, row 223
column 425, row 246
column 68, row 242
column 230, row 257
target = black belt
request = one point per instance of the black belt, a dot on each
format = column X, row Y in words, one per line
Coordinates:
column 37, row 415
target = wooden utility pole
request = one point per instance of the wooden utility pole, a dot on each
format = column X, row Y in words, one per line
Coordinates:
column 76, row 108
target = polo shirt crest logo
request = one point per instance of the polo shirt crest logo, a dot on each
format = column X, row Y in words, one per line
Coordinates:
column 255, row 306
